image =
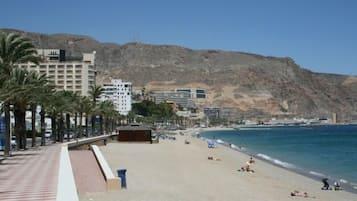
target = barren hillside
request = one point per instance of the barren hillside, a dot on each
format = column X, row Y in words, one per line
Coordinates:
column 247, row 84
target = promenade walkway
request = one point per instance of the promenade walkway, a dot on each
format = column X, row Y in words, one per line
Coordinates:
column 87, row 173
column 30, row 175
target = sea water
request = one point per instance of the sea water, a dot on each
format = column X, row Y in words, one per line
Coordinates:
column 316, row 151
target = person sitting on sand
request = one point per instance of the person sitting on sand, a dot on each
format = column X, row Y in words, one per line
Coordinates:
column 251, row 160
column 298, row 194
column 337, row 186
column 246, row 168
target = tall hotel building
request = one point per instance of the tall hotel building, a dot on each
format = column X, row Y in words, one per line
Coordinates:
column 120, row 93
column 70, row 74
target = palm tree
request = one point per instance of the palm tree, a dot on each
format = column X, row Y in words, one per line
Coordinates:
column 105, row 109
column 18, row 90
column 44, row 100
column 14, row 48
column 87, row 109
column 40, row 84
column 72, row 100
column 84, row 106
column 94, row 93
column 40, row 96
column 53, row 108
column 64, row 107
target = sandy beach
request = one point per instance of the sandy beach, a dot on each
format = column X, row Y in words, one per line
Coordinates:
column 173, row 170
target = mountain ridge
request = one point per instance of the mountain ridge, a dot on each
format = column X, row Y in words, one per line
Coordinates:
column 246, row 84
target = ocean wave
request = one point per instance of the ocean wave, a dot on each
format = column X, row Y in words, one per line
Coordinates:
column 220, row 141
column 284, row 164
column 233, row 146
column 264, row 157
column 276, row 161
column 353, row 184
column 343, row 181
column 317, row 174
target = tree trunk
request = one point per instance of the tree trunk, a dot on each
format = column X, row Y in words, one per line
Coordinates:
column 113, row 123
column 43, row 126
column 76, row 124
column 86, row 124
column 61, row 128
column 105, row 125
column 33, row 124
column 68, row 126
column 20, row 126
column 93, row 124
column 7, row 130
column 80, row 124
column 101, row 124
column 53, row 127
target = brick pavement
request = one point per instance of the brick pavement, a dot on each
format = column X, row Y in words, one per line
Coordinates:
column 30, row 175
column 87, row 173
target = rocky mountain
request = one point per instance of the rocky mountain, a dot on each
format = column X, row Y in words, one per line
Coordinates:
column 246, row 85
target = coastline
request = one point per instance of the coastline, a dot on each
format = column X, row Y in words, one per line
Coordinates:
column 309, row 174
column 174, row 170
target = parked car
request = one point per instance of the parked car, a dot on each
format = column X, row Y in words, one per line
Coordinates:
column 48, row 134
column 71, row 134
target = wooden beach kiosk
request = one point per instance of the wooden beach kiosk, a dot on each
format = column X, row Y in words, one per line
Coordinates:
column 134, row 133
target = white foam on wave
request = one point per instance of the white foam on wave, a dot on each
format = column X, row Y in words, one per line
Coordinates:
column 220, row 141
column 343, row 181
column 233, row 146
column 264, row 157
column 276, row 161
column 353, row 184
column 284, row 164
column 317, row 174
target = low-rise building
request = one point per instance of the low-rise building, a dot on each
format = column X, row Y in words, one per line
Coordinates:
column 195, row 93
column 181, row 98
column 212, row 112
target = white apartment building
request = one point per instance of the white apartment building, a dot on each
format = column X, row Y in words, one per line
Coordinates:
column 74, row 74
column 120, row 93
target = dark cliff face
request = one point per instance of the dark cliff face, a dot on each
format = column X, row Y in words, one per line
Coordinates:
column 242, row 81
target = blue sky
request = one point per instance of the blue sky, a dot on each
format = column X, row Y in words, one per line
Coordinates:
column 320, row 35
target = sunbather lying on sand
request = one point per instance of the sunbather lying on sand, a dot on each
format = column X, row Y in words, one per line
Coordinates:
column 298, row 194
column 212, row 158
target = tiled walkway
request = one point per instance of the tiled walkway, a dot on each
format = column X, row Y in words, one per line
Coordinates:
column 30, row 175
column 87, row 173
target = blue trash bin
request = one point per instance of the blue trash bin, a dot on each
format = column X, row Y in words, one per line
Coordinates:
column 121, row 174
